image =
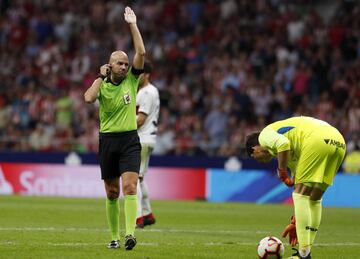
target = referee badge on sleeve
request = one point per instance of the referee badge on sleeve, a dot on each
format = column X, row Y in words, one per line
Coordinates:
column 127, row 98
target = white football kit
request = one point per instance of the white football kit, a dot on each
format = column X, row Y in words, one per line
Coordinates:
column 147, row 102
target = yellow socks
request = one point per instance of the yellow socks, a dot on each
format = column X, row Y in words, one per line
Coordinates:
column 303, row 221
column 130, row 206
column 316, row 210
column 308, row 218
column 112, row 214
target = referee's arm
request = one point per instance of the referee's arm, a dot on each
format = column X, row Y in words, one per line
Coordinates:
column 92, row 92
column 139, row 57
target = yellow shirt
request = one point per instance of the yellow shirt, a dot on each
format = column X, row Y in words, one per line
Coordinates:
column 289, row 134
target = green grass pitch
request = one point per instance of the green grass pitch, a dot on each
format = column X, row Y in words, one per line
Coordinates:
column 37, row 227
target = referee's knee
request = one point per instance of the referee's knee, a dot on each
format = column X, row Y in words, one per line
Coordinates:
column 129, row 188
column 112, row 194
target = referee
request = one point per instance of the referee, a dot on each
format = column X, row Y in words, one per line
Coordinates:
column 119, row 146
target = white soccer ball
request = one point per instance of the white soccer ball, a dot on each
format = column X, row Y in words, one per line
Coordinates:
column 270, row 247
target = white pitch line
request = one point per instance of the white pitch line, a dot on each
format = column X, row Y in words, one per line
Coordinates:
column 142, row 230
column 97, row 244
column 53, row 229
column 77, row 244
column 207, row 231
column 161, row 230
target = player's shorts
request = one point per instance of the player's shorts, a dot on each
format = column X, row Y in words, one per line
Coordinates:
column 321, row 155
column 146, row 151
column 119, row 153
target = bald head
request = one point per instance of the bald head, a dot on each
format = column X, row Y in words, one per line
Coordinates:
column 118, row 55
column 119, row 64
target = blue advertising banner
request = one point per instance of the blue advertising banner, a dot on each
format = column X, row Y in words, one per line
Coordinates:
column 261, row 186
column 344, row 192
column 257, row 186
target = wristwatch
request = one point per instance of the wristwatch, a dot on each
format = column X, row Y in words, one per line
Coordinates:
column 101, row 76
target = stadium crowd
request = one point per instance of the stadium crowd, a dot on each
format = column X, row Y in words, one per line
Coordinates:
column 223, row 68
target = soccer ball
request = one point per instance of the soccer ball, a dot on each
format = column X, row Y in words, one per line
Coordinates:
column 270, row 247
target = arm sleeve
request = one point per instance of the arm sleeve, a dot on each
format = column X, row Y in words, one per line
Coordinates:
column 99, row 92
column 144, row 102
column 269, row 138
column 136, row 72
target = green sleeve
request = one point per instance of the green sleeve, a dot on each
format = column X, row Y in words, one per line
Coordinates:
column 99, row 94
column 133, row 79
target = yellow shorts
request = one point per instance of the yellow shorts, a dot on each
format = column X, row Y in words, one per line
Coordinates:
column 321, row 155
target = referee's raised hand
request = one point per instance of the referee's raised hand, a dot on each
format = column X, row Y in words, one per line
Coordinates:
column 129, row 15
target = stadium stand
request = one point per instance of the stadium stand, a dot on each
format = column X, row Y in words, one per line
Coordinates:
column 223, row 68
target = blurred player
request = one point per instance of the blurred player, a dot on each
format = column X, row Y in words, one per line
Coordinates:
column 147, row 106
column 119, row 145
column 314, row 151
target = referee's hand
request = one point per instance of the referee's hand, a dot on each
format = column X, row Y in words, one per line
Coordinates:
column 129, row 15
column 105, row 70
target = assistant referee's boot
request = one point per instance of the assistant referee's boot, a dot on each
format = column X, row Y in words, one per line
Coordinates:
column 130, row 242
column 114, row 244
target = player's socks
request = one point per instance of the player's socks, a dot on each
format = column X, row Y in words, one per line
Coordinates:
column 304, row 252
column 316, row 210
column 112, row 214
column 303, row 221
column 139, row 198
column 130, row 206
column 145, row 201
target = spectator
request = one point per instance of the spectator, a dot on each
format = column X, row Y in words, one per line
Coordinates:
column 354, row 142
column 39, row 139
column 352, row 161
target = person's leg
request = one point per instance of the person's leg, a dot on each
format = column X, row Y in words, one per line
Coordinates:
column 316, row 208
column 316, row 211
column 112, row 187
column 303, row 221
column 129, row 186
column 111, row 176
column 129, row 163
column 318, row 163
column 333, row 162
column 310, row 169
column 139, row 208
column 143, row 167
column 145, row 202
column 143, row 197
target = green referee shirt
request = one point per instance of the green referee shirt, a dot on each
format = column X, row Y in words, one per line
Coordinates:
column 118, row 104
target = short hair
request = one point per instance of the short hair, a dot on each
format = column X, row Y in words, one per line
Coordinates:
column 147, row 67
column 251, row 141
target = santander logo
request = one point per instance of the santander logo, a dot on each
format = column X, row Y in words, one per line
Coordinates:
column 5, row 187
column 66, row 184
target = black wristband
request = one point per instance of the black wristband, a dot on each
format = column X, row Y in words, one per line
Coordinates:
column 101, row 76
column 136, row 72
